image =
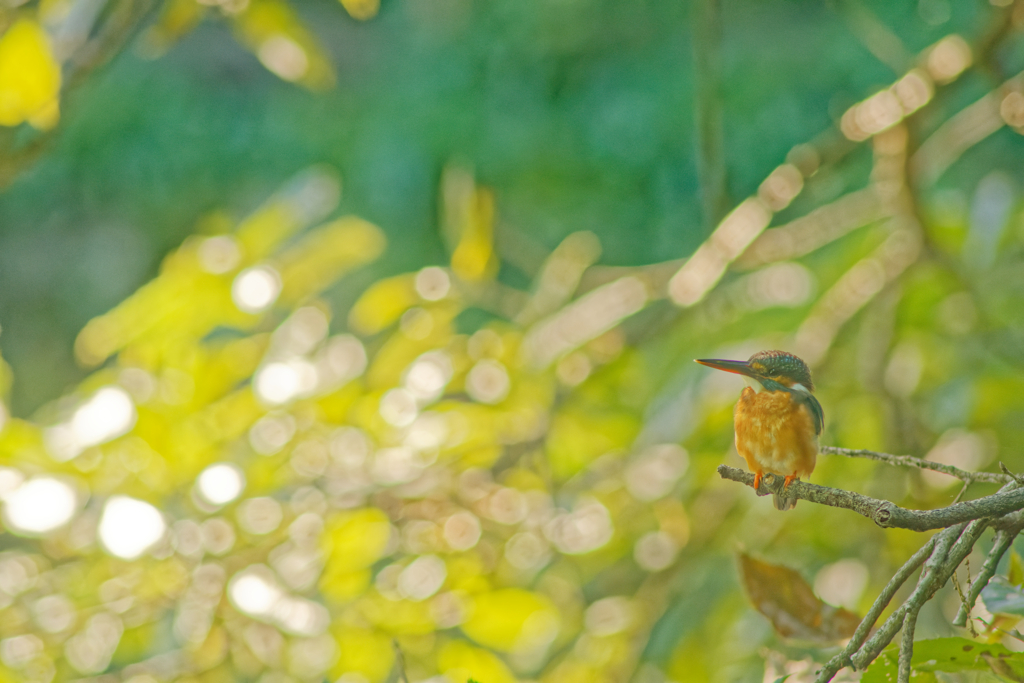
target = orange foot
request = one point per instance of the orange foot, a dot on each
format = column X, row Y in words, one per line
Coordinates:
column 789, row 480
column 757, row 480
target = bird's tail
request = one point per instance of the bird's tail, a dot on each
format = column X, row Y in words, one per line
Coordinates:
column 782, row 502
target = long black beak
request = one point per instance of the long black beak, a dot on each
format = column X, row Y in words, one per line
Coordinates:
column 739, row 367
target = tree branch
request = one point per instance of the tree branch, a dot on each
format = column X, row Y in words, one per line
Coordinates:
column 925, row 589
column 842, row 659
column 930, row 582
column 919, row 463
column 907, row 645
column 946, row 550
column 883, row 512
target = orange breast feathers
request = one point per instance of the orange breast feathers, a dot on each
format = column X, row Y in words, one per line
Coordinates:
column 775, row 433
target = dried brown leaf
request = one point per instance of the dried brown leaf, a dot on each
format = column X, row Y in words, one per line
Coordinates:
column 781, row 594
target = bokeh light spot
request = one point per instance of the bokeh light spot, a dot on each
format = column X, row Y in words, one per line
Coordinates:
column 260, row 515
column 130, row 527
column 283, row 56
column 106, row 415
column 219, row 254
column 271, row 433
column 488, row 382
column 422, row 578
column 40, row 505
column 433, row 283
column 278, row 383
column 254, row 590
column 221, row 483
column 655, row 551
column 398, row 407
column 256, row 289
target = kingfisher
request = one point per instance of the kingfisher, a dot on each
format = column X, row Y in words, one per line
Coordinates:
column 777, row 418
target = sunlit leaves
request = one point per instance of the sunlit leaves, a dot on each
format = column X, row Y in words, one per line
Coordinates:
column 382, row 303
column 512, row 618
column 461, row 661
column 577, row 437
column 363, row 651
column 355, row 540
column 468, row 223
column 29, row 76
column 326, row 254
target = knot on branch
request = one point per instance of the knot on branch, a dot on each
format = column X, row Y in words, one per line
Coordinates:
column 883, row 514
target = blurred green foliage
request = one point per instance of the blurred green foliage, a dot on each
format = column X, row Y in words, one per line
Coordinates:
column 473, row 436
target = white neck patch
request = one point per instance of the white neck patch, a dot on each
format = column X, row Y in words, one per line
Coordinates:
column 753, row 384
column 758, row 387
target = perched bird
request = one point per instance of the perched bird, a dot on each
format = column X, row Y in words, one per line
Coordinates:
column 777, row 418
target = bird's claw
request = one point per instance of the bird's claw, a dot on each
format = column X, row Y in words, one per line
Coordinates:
column 758, row 478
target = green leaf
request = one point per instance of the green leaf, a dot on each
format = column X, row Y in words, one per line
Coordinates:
column 947, row 655
column 1002, row 598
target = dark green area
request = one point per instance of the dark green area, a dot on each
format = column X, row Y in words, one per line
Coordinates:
column 579, row 113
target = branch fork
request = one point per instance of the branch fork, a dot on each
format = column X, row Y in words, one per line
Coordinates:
column 961, row 524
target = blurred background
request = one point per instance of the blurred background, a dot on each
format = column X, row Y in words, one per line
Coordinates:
column 354, row 342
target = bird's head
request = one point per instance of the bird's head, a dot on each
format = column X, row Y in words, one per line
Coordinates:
column 768, row 367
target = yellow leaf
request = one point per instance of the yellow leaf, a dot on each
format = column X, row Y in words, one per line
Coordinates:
column 512, row 618
column 336, row 406
column 577, row 437
column 344, row 586
column 473, row 258
column 434, row 329
column 383, row 303
column 272, row 30
column 460, row 661
column 361, row 9
column 327, row 253
column 308, row 197
column 29, row 76
column 47, row 116
column 1016, row 572
column 355, row 540
column 363, row 651
column 400, row 617
column 177, row 18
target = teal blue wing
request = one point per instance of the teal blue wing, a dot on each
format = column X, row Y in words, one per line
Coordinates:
column 815, row 408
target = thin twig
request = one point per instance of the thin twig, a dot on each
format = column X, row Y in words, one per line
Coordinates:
column 1010, row 474
column 964, row 607
column 842, row 659
column 963, row 490
column 1000, row 544
column 907, row 645
column 884, row 635
column 944, row 560
column 885, row 513
column 920, row 463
